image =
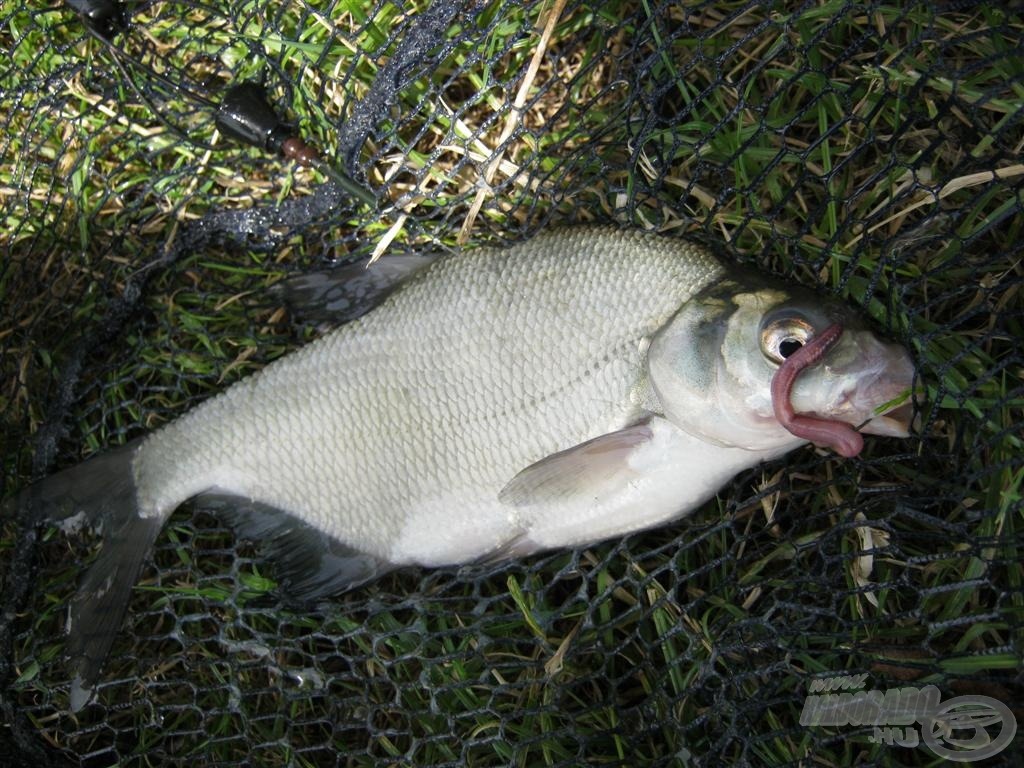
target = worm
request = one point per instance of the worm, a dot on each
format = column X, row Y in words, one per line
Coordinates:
column 837, row 435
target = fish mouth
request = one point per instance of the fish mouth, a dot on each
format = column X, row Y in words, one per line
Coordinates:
column 866, row 374
column 895, row 423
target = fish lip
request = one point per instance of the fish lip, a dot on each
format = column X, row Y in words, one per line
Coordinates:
column 897, row 422
column 879, row 372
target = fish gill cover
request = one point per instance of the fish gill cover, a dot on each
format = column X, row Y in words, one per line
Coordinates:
column 873, row 149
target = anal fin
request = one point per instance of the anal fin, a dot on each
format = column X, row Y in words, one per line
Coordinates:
column 311, row 565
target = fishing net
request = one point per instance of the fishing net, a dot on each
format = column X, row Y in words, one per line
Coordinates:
column 872, row 149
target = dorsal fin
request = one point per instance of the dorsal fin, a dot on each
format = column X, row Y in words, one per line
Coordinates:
column 341, row 294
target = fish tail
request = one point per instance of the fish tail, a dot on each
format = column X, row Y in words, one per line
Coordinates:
column 101, row 493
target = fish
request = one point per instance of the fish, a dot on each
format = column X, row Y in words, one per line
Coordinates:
column 485, row 404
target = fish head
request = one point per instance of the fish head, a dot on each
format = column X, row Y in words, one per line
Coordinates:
column 712, row 366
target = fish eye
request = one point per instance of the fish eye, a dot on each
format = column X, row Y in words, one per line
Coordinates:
column 782, row 337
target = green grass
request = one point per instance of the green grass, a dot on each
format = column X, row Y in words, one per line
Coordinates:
column 625, row 653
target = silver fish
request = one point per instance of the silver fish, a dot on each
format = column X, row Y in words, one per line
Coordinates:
column 579, row 386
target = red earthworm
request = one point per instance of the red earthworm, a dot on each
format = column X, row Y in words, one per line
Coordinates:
column 837, row 435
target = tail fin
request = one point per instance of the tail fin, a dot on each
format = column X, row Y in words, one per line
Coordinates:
column 101, row 493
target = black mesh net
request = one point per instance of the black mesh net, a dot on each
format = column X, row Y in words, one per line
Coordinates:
column 873, row 148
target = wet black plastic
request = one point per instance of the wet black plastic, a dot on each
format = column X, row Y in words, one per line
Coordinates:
column 245, row 115
column 106, row 18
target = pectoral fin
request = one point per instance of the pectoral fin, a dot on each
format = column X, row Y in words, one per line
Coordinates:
column 588, row 471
